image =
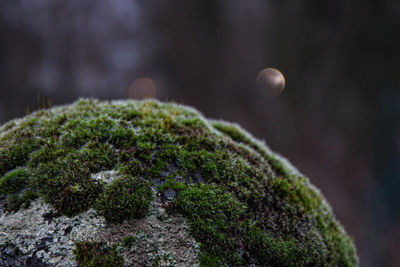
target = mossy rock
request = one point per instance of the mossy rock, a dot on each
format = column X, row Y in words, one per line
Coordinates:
column 244, row 205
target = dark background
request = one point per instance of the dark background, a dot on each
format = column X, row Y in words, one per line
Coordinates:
column 338, row 119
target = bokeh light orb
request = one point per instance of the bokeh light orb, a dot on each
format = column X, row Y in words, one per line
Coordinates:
column 142, row 87
column 270, row 82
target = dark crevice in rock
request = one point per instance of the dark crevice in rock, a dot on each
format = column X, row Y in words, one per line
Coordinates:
column 42, row 244
column 11, row 256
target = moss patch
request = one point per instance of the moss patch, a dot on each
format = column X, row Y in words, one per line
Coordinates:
column 125, row 198
column 128, row 241
column 93, row 254
column 14, row 181
column 245, row 204
column 15, row 185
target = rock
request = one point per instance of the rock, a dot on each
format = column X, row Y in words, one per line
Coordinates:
column 69, row 229
column 78, row 180
column 169, row 194
column 42, row 242
column 34, row 261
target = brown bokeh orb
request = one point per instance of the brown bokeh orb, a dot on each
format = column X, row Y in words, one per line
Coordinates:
column 143, row 87
column 270, row 82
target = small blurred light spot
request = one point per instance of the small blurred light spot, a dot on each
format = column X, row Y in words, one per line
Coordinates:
column 142, row 88
column 270, row 82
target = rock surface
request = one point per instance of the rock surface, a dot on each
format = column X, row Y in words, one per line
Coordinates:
column 28, row 238
column 145, row 183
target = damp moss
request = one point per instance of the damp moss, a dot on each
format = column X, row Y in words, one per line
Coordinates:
column 128, row 241
column 127, row 197
column 15, row 185
column 16, row 201
column 93, row 254
column 13, row 181
column 245, row 204
column 216, row 220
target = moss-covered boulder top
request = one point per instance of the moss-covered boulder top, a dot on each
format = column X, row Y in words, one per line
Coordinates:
column 244, row 204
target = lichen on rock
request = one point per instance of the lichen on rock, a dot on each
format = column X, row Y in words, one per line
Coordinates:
column 157, row 184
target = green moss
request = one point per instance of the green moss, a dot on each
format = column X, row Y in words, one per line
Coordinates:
column 234, row 131
column 207, row 259
column 16, row 184
column 14, row 181
column 94, row 254
column 215, row 217
column 67, row 184
column 244, row 203
column 15, row 201
column 16, row 153
column 276, row 251
column 128, row 241
column 127, row 197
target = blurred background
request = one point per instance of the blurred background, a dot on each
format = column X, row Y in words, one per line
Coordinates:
column 338, row 119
